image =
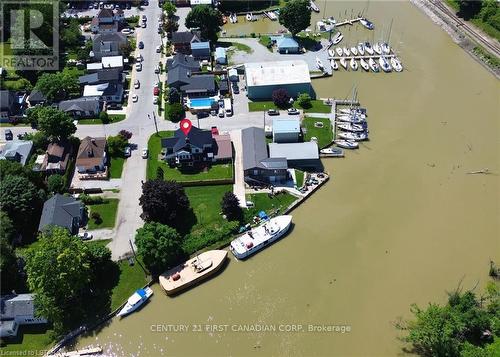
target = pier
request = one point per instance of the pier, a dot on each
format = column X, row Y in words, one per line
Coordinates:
column 85, row 352
column 333, row 113
column 349, row 22
column 360, row 57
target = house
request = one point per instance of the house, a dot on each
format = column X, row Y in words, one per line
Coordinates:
column 107, row 92
column 184, row 61
column 298, row 155
column 108, row 44
column 200, row 50
column 223, row 150
column 257, row 166
column 105, row 16
column 9, row 106
column 223, row 86
column 102, row 76
column 62, row 211
column 179, row 3
column 182, row 41
column 119, row 15
column 197, row 148
column 84, row 107
column 200, row 86
column 36, row 98
column 91, row 157
column 56, row 158
column 107, row 62
column 220, row 55
column 286, row 130
column 262, row 78
column 287, row 45
column 18, row 151
column 16, row 310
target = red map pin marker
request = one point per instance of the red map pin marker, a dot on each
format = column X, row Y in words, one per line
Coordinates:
column 186, row 126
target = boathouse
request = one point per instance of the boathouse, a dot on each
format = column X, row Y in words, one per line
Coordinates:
column 298, row 155
column 287, row 45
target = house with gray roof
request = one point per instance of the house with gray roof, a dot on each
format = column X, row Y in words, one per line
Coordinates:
column 200, row 50
column 84, row 107
column 16, row 310
column 9, row 105
column 104, row 75
column 62, row 211
column 202, row 85
column 303, row 156
column 258, row 167
column 36, row 98
column 182, row 41
column 108, row 44
column 18, row 151
column 185, row 61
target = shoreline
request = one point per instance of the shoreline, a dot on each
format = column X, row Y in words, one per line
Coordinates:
column 461, row 39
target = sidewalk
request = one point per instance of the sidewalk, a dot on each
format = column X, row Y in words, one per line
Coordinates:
column 239, row 180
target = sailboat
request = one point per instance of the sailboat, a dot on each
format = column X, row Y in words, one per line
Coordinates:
column 346, row 51
column 354, row 50
column 353, row 136
column 343, row 62
column 353, row 64
column 314, row 7
column 373, row 65
column 386, row 49
column 369, row 48
column 347, row 144
column 338, row 37
column 377, row 49
column 233, row 18
column 351, row 127
column 319, row 63
column 366, row 23
column 334, row 64
column 386, row 67
column 396, row 64
column 364, row 64
column 331, row 52
column 361, row 48
column 339, row 51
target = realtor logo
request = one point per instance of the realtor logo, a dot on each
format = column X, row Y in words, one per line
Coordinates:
column 30, row 35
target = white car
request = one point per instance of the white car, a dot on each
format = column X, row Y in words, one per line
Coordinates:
column 127, row 151
column 158, row 49
column 135, row 98
column 143, row 25
column 157, row 69
column 138, row 66
column 126, row 31
column 85, row 236
column 155, row 100
column 137, row 84
column 138, row 58
column 144, row 153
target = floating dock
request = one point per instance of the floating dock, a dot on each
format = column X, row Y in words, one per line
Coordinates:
column 85, row 352
column 349, row 22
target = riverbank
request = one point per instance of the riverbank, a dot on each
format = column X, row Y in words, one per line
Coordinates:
column 458, row 36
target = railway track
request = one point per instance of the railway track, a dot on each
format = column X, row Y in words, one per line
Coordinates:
column 476, row 36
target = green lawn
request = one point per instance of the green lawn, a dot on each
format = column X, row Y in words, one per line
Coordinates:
column 299, row 176
column 324, row 134
column 113, row 118
column 35, row 339
column 107, row 210
column 317, row 106
column 205, row 201
column 238, row 46
column 219, row 171
column 263, row 202
column 131, row 279
column 116, row 167
column 266, row 41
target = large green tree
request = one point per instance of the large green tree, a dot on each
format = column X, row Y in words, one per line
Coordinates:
column 160, row 246
column 469, row 8
column 169, row 9
column 8, row 267
column 55, row 124
column 295, row 16
column 207, row 19
column 230, row 206
column 116, row 145
column 57, row 86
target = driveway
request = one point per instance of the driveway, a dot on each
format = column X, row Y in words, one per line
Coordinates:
column 239, row 179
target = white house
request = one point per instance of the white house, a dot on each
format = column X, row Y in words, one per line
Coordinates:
column 17, row 310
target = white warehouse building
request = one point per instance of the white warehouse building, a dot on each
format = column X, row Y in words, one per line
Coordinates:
column 262, row 78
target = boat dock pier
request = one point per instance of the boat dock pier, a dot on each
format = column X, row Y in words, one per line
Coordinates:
column 333, row 113
column 85, row 352
column 359, row 57
column 349, row 22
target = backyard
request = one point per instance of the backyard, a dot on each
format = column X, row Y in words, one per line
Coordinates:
column 132, row 277
column 269, row 204
column 116, row 167
column 324, row 134
column 107, row 212
column 317, row 106
column 113, row 118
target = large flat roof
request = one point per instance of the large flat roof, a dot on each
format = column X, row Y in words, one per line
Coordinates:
column 279, row 72
column 286, row 125
column 294, row 151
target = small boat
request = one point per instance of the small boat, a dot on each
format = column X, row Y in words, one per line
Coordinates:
column 364, row 65
column 353, row 64
column 233, row 18
column 331, row 20
column 260, row 237
column 384, row 64
column 352, row 127
column 334, row 65
column 338, row 50
column 343, row 62
column 192, row 271
column 373, row 65
column 346, row 51
column 354, row 50
column 319, row 63
column 271, row 15
column 313, row 6
column 349, row 118
column 353, row 136
column 249, row 17
column 361, row 112
column 361, row 48
column 369, row 48
column 347, row 144
column 386, row 49
column 135, row 301
column 396, row 64
column 366, row 23
column 377, row 49
column 338, row 37
column 332, row 152
column 331, row 52
column 224, row 19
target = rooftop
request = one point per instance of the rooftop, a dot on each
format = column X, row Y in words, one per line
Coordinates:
column 294, row 151
column 200, row 46
column 16, row 151
column 279, row 72
column 60, row 211
column 286, row 125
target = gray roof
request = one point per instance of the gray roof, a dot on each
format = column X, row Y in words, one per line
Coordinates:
column 60, row 211
column 185, row 61
column 107, row 42
column 83, row 104
column 178, row 75
column 254, row 147
column 18, row 150
column 184, row 37
column 36, row 96
column 295, row 151
column 197, row 137
column 105, row 13
column 275, row 163
column 7, row 99
column 103, row 75
column 17, row 305
column 200, row 83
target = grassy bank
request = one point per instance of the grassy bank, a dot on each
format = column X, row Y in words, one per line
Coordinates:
column 116, row 167
column 324, row 134
column 485, row 19
column 113, row 118
column 107, row 211
column 317, row 106
column 266, row 42
column 131, row 279
column 269, row 204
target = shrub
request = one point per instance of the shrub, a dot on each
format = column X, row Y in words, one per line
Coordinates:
column 281, row 98
column 104, row 117
column 96, row 217
column 304, row 100
column 90, row 200
column 231, row 206
column 126, row 134
column 175, row 112
column 55, row 183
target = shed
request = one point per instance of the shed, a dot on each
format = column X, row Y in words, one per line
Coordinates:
column 298, row 155
column 286, row 130
column 287, row 45
column 233, row 75
column 220, row 55
column 200, row 50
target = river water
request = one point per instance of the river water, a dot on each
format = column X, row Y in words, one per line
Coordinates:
column 400, row 222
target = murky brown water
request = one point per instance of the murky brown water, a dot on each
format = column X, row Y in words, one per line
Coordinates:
column 399, row 223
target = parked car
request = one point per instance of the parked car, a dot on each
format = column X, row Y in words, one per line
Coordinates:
column 214, row 130
column 221, row 112
column 127, row 152
column 144, row 153
column 155, row 100
column 144, row 18
column 138, row 66
column 85, row 236
column 135, row 98
column 137, row 84
column 157, row 69
column 138, row 58
column 293, row 111
column 201, row 115
column 158, row 49
column 141, row 45
column 143, row 25
column 236, row 90
column 8, row 134
column 273, row 112
column 127, row 31
column 156, row 91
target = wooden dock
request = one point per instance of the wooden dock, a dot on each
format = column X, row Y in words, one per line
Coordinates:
column 348, row 22
column 85, row 352
column 359, row 57
column 333, row 113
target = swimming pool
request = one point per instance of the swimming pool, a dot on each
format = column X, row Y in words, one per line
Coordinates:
column 201, row 102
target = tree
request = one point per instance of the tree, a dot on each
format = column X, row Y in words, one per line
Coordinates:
column 104, row 117
column 116, row 145
column 169, row 8
column 11, row 168
column 173, row 95
column 126, row 134
column 295, row 16
column 164, row 202
column 304, row 100
column 159, row 246
column 230, row 205
column 170, row 26
column 469, row 8
column 174, row 112
column 71, row 35
column 55, row 183
column 55, row 124
column 281, row 98
column 8, row 267
column 7, row 230
column 207, row 19
column 57, row 86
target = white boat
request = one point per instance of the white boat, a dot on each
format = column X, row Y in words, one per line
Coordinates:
column 364, row 65
column 384, row 64
column 233, row 18
column 332, row 152
column 331, row 52
column 361, row 48
column 350, row 118
column 353, row 136
column 343, row 62
column 250, row 17
column 334, row 65
column 354, row 50
column 361, row 112
column 260, row 237
column 354, row 64
column 351, row 127
column 347, row 144
column 369, row 48
column 331, row 20
column 338, row 37
column 319, row 63
column 373, row 65
column 271, row 15
column 338, row 50
column 346, row 51
column 377, row 49
column 396, row 64
column 368, row 24
column 314, row 7
column 386, row 49
column 135, row 301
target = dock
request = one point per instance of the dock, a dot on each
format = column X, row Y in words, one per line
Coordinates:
column 85, row 352
column 359, row 57
column 333, row 113
column 349, row 22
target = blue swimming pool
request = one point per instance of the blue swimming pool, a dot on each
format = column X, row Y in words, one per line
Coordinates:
column 201, row 102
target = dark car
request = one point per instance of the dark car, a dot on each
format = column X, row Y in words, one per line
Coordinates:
column 128, row 6
column 236, row 90
column 141, row 45
column 8, row 134
column 201, row 115
column 273, row 112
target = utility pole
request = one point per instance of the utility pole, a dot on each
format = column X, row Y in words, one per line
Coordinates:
column 154, row 118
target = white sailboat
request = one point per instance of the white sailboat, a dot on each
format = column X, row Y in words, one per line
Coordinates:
column 377, row 49
column 354, row 64
column 373, row 65
column 334, row 65
column 319, row 63
column 346, row 51
column 386, row 49
column 396, row 64
column 366, row 23
column 361, row 48
column 350, row 118
column 135, row 301
column 331, row 52
column 338, row 38
column 364, row 65
column 354, row 50
column 384, row 64
column 351, row 127
column 353, row 136
column 343, row 62
column 332, row 152
column 347, row 144
column 369, row 48
column 338, row 50
column 233, row 18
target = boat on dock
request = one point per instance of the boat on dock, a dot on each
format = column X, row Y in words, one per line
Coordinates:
column 369, row 48
column 364, row 64
column 384, row 64
column 313, row 6
column 377, row 49
column 332, row 152
column 350, row 118
column 260, row 237
column 334, row 65
column 338, row 50
column 396, row 64
column 251, row 17
column 346, row 51
column 271, row 15
column 331, row 52
column 354, row 50
column 337, row 38
column 331, row 20
column 233, row 18
column 361, row 48
column 192, row 271
column 353, row 136
column 367, row 23
column 347, row 144
column 352, row 127
column 373, row 65
column 353, row 64
column 319, row 63
column 135, row 301
column 343, row 62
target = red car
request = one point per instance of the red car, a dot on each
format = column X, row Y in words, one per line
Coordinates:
column 156, row 91
column 215, row 131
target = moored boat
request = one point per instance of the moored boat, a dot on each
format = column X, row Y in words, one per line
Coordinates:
column 334, row 65
column 313, row 6
column 354, row 50
column 346, row 51
column 386, row 49
column 369, row 48
column 135, row 301
column 364, row 64
column 319, row 63
column 346, row 144
column 331, row 52
column 353, row 64
column 361, row 48
column 396, row 64
column 384, row 64
column 192, row 271
column 332, row 152
column 352, row 127
column 338, row 37
column 338, row 50
column 260, row 237
column 353, row 136
column 343, row 62
column 377, row 49
column 367, row 23
column 373, row 65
